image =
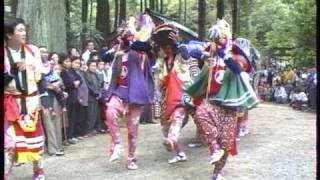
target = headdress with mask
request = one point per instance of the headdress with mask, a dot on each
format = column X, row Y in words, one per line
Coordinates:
column 220, row 30
column 165, row 34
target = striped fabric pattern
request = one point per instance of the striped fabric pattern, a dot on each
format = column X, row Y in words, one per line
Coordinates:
column 29, row 145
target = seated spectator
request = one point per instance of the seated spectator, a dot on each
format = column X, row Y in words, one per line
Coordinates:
column 299, row 97
column 280, row 94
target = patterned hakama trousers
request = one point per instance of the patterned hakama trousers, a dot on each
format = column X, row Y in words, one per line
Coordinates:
column 217, row 128
column 115, row 108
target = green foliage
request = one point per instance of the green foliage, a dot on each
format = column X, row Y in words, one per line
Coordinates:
column 269, row 24
column 285, row 23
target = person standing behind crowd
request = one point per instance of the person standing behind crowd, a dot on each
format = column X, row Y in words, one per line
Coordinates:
column 101, row 72
column 312, row 88
column 53, row 56
column 53, row 102
column 81, row 127
column 288, row 75
column 94, row 94
column 71, row 82
column 89, row 47
column 73, row 52
column 271, row 74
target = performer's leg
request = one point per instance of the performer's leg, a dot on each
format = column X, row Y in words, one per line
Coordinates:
column 176, row 120
column 9, row 156
column 220, row 165
column 114, row 108
column 207, row 126
column 132, row 120
column 244, row 123
column 227, row 121
column 38, row 173
column 165, row 126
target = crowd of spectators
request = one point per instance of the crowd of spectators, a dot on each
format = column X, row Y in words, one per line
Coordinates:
column 293, row 86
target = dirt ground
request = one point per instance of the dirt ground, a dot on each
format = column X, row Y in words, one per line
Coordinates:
column 281, row 146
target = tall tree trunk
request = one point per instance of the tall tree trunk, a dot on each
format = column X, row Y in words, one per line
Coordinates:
column 202, row 19
column 116, row 14
column 157, row 5
column 185, row 12
column 123, row 9
column 161, row 6
column 103, row 18
column 141, row 6
column 68, row 25
column 151, row 2
column 235, row 18
column 180, row 10
column 47, row 29
column 91, row 10
column 14, row 4
column 91, row 15
column 146, row 4
column 220, row 9
column 84, row 19
column 249, row 4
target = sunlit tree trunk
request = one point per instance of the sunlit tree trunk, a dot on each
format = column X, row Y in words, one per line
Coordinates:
column 44, row 29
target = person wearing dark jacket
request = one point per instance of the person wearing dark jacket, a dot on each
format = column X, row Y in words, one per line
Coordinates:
column 72, row 83
column 92, row 81
column 102, row 78
column 82, row 100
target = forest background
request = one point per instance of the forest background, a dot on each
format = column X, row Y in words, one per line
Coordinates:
column 284, row 31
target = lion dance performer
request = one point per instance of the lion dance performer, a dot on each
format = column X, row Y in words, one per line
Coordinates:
column 23, row 132
column 225, row 90
column 177, row 69
column 131, row 88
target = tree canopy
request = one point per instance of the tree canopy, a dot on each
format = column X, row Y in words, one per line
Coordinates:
column 281, row 29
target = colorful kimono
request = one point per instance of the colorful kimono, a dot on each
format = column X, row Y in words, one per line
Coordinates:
column 175, row 100
column 130, row 89
column 23, row 132
column 225, row 90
